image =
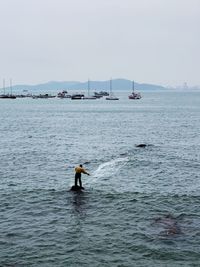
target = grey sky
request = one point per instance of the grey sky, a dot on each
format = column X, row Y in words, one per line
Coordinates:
column 152, row 41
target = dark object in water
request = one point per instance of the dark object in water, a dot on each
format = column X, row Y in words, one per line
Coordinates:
column 76, row 188
column 87, row 162
column 123, row 154
column 141, row 145
column 170, row 224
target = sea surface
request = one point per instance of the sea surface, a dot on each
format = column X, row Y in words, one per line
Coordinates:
column 140, row 206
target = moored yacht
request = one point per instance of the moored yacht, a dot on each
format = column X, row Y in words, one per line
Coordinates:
column 89, row 97
column 7, row 96
column 134, row 95
column 101, row 94
column 77, row 96
column 111, row 95
column 63, row 94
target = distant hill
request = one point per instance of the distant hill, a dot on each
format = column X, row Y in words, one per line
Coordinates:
column 49, row 86
column 117, row 84
column 55, row 86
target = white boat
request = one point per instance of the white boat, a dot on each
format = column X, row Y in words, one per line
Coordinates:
column 134, row 95
column 111, row 95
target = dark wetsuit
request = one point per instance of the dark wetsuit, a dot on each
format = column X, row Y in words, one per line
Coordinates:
column 78, row 179
column 78, row 171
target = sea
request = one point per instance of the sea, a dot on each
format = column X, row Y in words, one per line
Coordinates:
column 141, row 204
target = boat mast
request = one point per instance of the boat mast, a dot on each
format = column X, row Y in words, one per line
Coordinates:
column 4, row 91
column 133, row 85
column 11, row 86
column 88, row 87
column 110, row 86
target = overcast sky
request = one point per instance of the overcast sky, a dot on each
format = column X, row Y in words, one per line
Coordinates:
column 151, row 41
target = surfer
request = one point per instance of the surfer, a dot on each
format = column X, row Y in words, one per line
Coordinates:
column 78, row 170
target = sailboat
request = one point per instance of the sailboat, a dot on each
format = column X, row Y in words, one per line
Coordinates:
column 89, row 97
column 111, row 95
column 11, row 96
column 134, row 95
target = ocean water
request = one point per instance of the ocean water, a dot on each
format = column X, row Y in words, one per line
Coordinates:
column 140, row 206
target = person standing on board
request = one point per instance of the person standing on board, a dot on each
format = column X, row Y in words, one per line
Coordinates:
column 78, row 170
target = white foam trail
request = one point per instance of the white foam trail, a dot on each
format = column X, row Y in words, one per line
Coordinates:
column 108, row 168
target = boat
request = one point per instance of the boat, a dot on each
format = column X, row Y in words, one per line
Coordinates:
column 101, row 94
column 97, row 95
column 63, row 94
column 7, row 96
column 104, row 93
column 89, row 97
column 134, row 95
column 23, row 95
column 44, row 96
column 77, row 96
column 111, row 95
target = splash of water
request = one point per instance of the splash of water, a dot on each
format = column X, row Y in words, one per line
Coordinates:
column 108, row 168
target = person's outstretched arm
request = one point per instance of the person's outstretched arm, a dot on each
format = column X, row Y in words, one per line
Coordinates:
column 84, row 171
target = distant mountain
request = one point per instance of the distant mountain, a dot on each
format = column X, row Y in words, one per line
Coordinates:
column 54, row 86
column 49, row 86
column 117, row 84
